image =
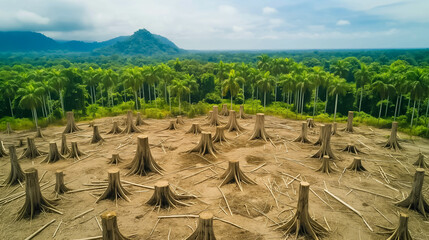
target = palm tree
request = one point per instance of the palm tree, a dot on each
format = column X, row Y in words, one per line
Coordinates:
column 287, row 82
column 264, row 62
column 381, row 87
column 152, row 77
column 131, row 78
column 109, row 77
column 179, row 89
column 266, row 84
column 232, row 84
column 277, row 67
column 191, row 84
column 363, row 77
column 337, row 87
column 8, row 89
column 418, row 82
column 303, row 82
column 341, row 68
column 326, row 83
column 221, row 69
column 30, row 99
column 317, row 77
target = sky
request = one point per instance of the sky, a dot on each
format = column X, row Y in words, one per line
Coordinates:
column 230, row 25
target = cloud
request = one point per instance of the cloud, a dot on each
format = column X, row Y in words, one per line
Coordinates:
column 31, row 17
column 227, row 9
column 343, row 22
column 269, row 10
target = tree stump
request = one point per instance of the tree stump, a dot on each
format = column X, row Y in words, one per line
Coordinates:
column 401, row 232
column 393, row 143
column 3, row 152
column 96, row 137
column 241, row 113
column 416, row 199
column 130, row 127
column 224, row 111
column 356, row 165
column 205, row 146
column 31, row 151
column 115, row 129
column 39, row 133
column 71, row 125
column 172, row 125
column 232, row 124
column 335, row 129
column 325, row 167
column 21, row 143
column 139, row 120
column 195, row 129
column 204, row 230
column 8, row 129
column 421, row 161
column 91, row 124
column 259, row 130
column 303, row 137
column 179, row 120
column 310, row 123
column 60, row 186
column 163, row 197
column 143, row 161
column 16, row 175
column 301, row 222
column 350, row 148
column 214, row 120
column 325, row 148
column 320, row 139
column 34, row 201
column 53, row 155
column 219, row 135
column 114, row 188
column 110, row 227
column 349, row 127
column 75, row 152
column 234, row 174
column 64, row 148
column 209, row 115
column 115, row 159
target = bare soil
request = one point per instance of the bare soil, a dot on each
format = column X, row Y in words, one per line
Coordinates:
column 255, row 209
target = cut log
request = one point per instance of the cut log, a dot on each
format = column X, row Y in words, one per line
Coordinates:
column 143, row 161
column 16, row 175
column 320, row 139
column 393, row 143
column 96, row 137
column 195, row 129
column 39, row 133
column 310, row 123
column 416, row 199
column 232, row 124
column 325, row 148
column 115, row 128
column 421, row 161
column 204, row 230
column 163, row 197
column 139, row 120
column 301, row 222
column 303, row 137
column 241, row 113
column 53, row 155
column 75, row 152
column 115, row 159
column 349, row 127
column 234, row 175
column 350, row 148
column 110, row 227
column 114, row 188
column 3, row 152
column 224, row 111
column 172, row 125
column 259, row 130
column 71, row 125
column 130, row 127
column 179, row 120
column 205, row 146
column 31, row 151
column 64, row 148
column 214, row 120
column 325, row 167
column 60, row 186
column 401, row 232
column 8, row 129
column 219, row 135
column 356, row 165
column 34, row 203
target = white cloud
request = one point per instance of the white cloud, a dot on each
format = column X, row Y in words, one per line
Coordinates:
column 269, row 10
column 227, row 9
column 343, row 22
column 31, row 17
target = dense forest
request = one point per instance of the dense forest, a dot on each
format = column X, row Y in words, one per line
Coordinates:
column 382, row 85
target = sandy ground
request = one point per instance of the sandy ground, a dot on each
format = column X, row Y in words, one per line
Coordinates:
column 138, row 219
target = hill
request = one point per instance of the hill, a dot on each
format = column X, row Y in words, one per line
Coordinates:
column 26, row 41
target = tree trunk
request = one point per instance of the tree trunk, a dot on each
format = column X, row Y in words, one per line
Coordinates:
column 361, row 95
column 231, row 101
column 91, row 93
column 315, row 97
column 62, row 101
column 326, row 101
column 387, row 106
column 399, row 108
column 137, row 103
column 154, row 91
column 302, row 102
column 95, row 94
column 379, row 113
column 169, row 98
column 396, row 108
column 427, row 108
column 143, row 92
column 412, row 115
column 11, row 109
column 165, row 92
column 180, row 111
column 189, row 97
column 275, row 92
column 336, row 103
column 101, row 96
column 35, row 116
column 265, row 99
column 150, row 98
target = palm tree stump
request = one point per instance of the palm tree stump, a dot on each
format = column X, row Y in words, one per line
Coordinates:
column 356, row 165
column 335, row 129
column 143, row 161
column 53, row 155
column 172, row 125
column 310, row 123
column 60, row 186
column 349, row 127
column 401, row 232
column 234, row 174
column 96, row 137
column 115, row 159
column 320, row 139
column 163, row 197
column 34, row 201
column 416, row 199
column 114, row 188
column 31, row 151
column 75, row 152
column 232, row 124
column 21, row 143
column 110, row 227
column 259, row 130
column 8, row 129
column 350, row 148
column 16, row 175
column 64, row 148
column 3, row 152
column 139, row 120
column 39, row 133
column 219, row 135
column 205, row 146
column 224, row 111
column 303, row 137
column 71, row 125
column 195, row 129
column 130, row 127
column 115, row 129
column 209, row 115
column 241, row 113
column 325, row 167
column 421, row 161
column 204, row 230
column 214, row 120
column 393, row 143
column 179, row 120
column 301, row 222
column 325, row 148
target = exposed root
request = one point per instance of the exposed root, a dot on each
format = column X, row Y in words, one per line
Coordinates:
column 303, row 137
column 110, row 227
column 71, row 125
column 16, row 174
column 214, row 120
column 3, row 152
column 31, row 151
column 325, row 167
column 310, row 123
column 143, row 161
column 224, row 111
column 60, row 186
column 325, row 148
column 130, row 127
column 96, row 137
column 53, row 155
column 204, row 230
column 163, row 197
column 114, row 189
column 421, row 161
column 259, row 130
column 139, row 120
column 350, row 148
column 356, row 165
column 75, row 152
column 64, row 148
column 115, row 129
column 416, row 199
column 232, row 124
column 401, row 232
column 234, row 174
column 115, row 159
column 205, row 146
column 172, row 125
column 195, row 129
column 179, row 120
column 219, row 135
column 393, row 143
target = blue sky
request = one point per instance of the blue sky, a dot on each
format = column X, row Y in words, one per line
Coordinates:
column 207, row 25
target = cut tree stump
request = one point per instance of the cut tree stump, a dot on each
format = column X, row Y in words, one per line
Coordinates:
column 16, row 175
column 356, row 165
column 325, row 148
column 214, row 120
column 259, row 130
column 172, row 125
column 310, row 123
column 53, row 155
column 234, row 174
column 75, row 152
column 114, row 188
column 139, row 120
column 303, row 137
column 421, row 161
column 130, row 127
column 349, row 127
column 204, row 230
column 163, row 197
column 209, row 115
column 401, row 232
column 3, row 152
column 416, row 199
column 31, row 151
column 34, row 203
column 320, row 139
column 39, row 133
column 91, row 124
column 232, row 124
column 21, row 143
column 115, row 129
column 219, row 135
column 60, row 186
column 8, row 129
column 71, row 125
column 115, row 159
column 195, row 129
column 224, row 111
column 241, row 113
column 393, row 143
column 335, row 129
column 64, row 148
column 205, row 146
column 179, row 120
column 96, row 137
column 143, row 161
column 110, row 227
column 325, row 167
column 301, row 222
column 350, row 148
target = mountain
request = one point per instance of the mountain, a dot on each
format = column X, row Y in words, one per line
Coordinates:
column 25, row 41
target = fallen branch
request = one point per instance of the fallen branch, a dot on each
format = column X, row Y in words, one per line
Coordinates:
column 226, row 201
column 367, row 191
column 80, row 215
column 40, row 229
